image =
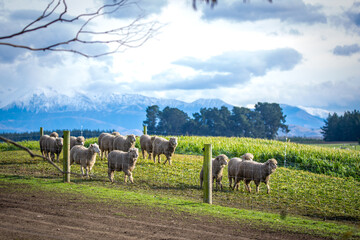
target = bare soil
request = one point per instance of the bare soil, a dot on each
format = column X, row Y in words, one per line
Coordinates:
column 50, row 215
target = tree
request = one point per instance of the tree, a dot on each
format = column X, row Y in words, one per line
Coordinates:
column 56, row 13
column 172, row 121
column 152, row 118
column 273, row 118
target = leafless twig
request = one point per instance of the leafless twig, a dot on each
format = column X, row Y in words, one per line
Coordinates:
column 132, row 35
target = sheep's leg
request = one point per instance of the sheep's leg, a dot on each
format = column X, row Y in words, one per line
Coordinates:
column 82, row 170
column 149, row 156
column 128, row 173
column 125, row 178
column 159, row 158
column 154, row 157
column 268, row 187
column 247, row 185
column 230, row 182
column 111, row 175
column 143, row 153
column 57, row 159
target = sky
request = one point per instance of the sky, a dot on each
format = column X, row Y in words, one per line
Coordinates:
column 298, row 52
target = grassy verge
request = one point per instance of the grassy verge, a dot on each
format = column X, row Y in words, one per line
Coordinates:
column 262, row 220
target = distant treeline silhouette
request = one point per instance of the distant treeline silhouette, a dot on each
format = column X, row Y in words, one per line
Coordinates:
column 34, row 136
column 342, row 128
column 262, row 122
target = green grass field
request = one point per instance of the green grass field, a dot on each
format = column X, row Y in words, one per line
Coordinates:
column 329, row 197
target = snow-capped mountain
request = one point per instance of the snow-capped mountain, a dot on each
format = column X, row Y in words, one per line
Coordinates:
column 122, row 112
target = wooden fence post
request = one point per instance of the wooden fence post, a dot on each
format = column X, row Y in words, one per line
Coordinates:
column 41, row 131
column 145, row 130
column 66, row 156
column 207, row 166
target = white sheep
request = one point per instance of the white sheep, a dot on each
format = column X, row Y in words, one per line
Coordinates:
column 218, row 165
column 123, row 143
column 107, row 144
column 103, row 147
column 53, row 146
column 76, row 141
column 42, row 143
column 122, row 161
column 146, row 144
column 86, row 157
column 163, row 146
column 233, row 165
column 255, row 171
column 54, row 135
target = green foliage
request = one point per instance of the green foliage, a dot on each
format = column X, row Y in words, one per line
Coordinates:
column 332, row 162
column 342, row 128
column 263, row 122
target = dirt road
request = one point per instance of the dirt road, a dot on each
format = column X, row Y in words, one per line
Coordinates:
column 45, row 215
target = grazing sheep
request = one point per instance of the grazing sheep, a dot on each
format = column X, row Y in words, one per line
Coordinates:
column 54, row 135
column 218, row 165
column 42, row 143
column 163, row 146
column 146, row 144
column 123, row 143
column 122, row 161
column 76, row 141
column 255, row 171
column 86, row 157
column 233, row 165
column 53, row 146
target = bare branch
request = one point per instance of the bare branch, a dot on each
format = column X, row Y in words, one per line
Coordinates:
column 36, row 155
column 132, row 35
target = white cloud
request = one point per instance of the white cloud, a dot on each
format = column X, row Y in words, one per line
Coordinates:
column 280, row 52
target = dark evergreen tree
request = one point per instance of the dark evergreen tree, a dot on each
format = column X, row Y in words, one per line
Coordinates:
column 273, row 118
column 152, row 118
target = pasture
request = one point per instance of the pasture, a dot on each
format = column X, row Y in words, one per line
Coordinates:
column 320, row 184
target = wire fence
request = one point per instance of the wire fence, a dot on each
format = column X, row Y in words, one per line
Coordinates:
column 295, row 187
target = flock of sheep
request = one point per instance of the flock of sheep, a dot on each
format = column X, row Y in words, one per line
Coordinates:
column 122, row 155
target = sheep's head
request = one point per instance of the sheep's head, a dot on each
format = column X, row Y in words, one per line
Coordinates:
column 95, row 148
column 134, row 153
column 59, row 142
column 131, row 138
column 222, row 160
column 247, row 157
column 54, row 134
column 80, row 140
column 272, row 164
column 173, row 141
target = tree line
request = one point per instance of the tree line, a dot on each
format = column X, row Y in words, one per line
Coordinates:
column 262, row 122
column 342, row 128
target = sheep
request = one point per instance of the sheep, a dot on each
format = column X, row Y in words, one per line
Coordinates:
column 54, row 135
column 234, row 164
column 107, row 142
column 255, row 171
column 53, row 146
column 43, row 144
column 76, row 141
column 123, row 143
column 86, row 157
column 247, row 156
column 104, row 148
column 218, row 165
column 122, row 161
column 146, row 143
column 163, row 146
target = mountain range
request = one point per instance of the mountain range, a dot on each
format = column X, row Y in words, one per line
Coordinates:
column 122, row 112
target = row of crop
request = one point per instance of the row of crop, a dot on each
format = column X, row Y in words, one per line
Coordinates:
column 333, row 162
